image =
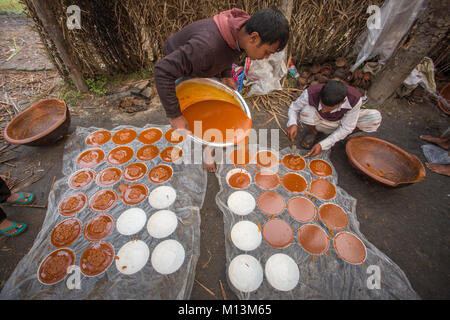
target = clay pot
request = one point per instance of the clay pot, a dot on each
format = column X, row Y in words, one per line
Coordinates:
column 315, row 68
column 357, row 74
column 340, row 62
column 367, row 76
column 384, row 161
column 43, row 123
column 302, row 81
column 305, row 74
column 326, row 70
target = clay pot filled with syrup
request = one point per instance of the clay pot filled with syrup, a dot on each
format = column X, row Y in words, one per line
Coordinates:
column 96, row 258
column 72, row 204
column 109, row 177
column 271, row 203
column 66, row 233
column 98, row 138
column 103, row 200
column 293, row 182
column 54, row 267
column 99, row 227
column 238, row 178
column 134, row 172
column 160, row 174
column 323, row 189
column 81, row 179
column 267, row 159
column 320, row 168
column 133, row 194
column 267, row 180
column 124, row 136
column 147, row 153
column 301, row 209
column 173, row 137
column 277, row 233
column 90, row 158
column 120, row 155
column 350, row 248
column 150, row 136
column 313, row 239
column 171, row 154
column 292, row 162
column 333, row 216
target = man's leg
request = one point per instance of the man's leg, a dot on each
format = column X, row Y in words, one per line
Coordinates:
column 208, row 159
column 315, row 124
column 369, row 121
column 5, row 193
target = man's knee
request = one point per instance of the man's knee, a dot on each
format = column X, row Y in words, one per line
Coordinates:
column 370, row 120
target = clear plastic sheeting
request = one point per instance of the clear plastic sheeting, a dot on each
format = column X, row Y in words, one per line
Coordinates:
column 388, row 25
column 326, row 276
column 188, row 180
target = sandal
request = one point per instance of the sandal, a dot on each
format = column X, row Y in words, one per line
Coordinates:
column 22, row 197
column 13, row 226
column 308, row 141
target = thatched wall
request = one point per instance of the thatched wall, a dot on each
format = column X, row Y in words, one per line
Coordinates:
column 127, row 35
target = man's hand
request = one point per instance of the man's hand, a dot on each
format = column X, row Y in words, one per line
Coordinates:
column 316, row 150
column 180, row 124
column 292, row 132
column 229, row 82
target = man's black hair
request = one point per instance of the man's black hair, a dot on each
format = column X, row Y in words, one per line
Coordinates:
column 271, row 25
column 333, row 93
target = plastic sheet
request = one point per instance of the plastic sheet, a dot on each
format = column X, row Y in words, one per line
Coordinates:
column 264, row 75
column 435, row 154
column 325, row 276
column 188, row 180
column 396, row 17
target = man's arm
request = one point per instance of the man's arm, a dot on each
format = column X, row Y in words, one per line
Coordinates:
column 297, row 107
column 348, row 124
column 188, row 59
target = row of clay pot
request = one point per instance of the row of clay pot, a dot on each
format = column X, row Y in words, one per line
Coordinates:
column 339, row 70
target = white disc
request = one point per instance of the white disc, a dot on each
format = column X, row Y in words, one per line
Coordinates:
column 246, row 235
column 282, row 272
column 132, row 257
column 168, row 256
column 131, row 221
column 162, row 197
column 162, row 223
column 241, row 203
column 245, row 273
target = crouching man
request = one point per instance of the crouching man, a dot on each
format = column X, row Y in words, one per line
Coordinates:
column 333, row 108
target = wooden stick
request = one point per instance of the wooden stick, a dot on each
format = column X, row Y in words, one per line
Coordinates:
column 209, row 291
column 223, row 290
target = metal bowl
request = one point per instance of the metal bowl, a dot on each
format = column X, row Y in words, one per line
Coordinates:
column 384, row 161
column 224, row 93
column 43, row 123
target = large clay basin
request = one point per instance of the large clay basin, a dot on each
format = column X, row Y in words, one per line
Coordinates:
column 384, row 161
column 43, row 123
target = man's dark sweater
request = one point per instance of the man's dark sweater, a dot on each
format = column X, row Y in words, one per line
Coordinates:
column 197, row 50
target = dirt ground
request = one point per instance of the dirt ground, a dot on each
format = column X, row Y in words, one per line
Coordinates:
column 409, row 224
